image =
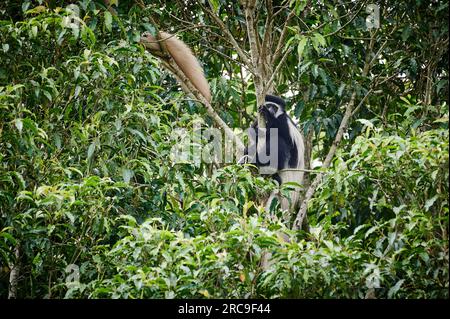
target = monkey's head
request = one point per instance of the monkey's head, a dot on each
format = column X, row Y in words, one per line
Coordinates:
column 273, row 110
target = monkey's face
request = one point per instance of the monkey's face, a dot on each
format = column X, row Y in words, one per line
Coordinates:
column 271, row 112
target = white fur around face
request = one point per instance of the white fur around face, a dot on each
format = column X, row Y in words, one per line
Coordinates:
column 278, row 110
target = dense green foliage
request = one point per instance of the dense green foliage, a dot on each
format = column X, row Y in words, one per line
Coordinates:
column 86, row 179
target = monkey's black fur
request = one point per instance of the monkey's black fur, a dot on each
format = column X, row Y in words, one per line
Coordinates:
column 275, row 116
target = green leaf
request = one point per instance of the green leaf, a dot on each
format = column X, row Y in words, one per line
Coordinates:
column 405, row 100
column 108, row 21
column 25, row 5
column 15, row 87
column 61, row 36
column 47, row 95
column 323, row 76
column 299, row 108
column 7, row 236
column 77, row 91
column 301, row 47
column 320, row 39
column 425, row 257
column 92, row 181
column 315, row 71
column 70, row 216
column 34, row 31
column 316, row 44
column 215, row 5
column 20, row 179
column 127, row 174
column 406, row 33
column 395, row 288
column 430, row 202
column 19, row 124
column 91, row 150
column 370, row 231
column 366, row 123
column 88, row 36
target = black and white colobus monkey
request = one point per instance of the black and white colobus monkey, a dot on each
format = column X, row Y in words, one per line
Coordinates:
column 289, row 142
column 284, row 144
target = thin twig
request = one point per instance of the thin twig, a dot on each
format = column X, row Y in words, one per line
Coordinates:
column 349, row 12
column 227, row 32
column 228, row 57
column 280, row 10
column 283, row 34
column 272, row 78
column 267, row 30
column 347, row 23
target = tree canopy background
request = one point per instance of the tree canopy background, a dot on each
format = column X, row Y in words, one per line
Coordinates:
column 91, row 204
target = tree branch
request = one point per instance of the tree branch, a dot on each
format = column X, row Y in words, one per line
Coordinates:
column 281, row 9
column 267, row 30
column 348, row 22
column 272, row 78
column 227, row 32
column 228, row 57
column 256, row 63
column 283, row 34
column 298, row 223
column 249, row 11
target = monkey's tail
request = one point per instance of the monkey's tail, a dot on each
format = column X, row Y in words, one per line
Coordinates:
column 182, row 56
